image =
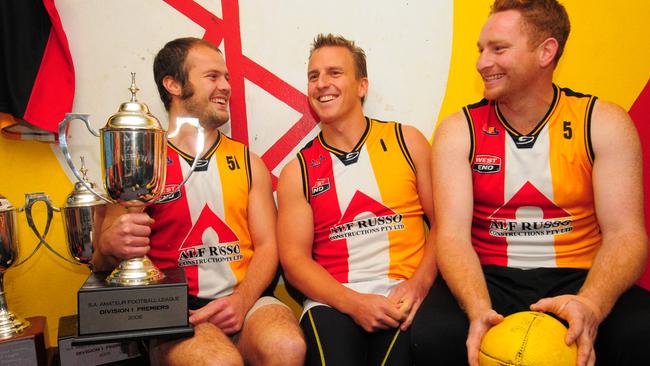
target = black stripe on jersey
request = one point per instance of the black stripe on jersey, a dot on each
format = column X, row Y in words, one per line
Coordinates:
column 383, row 145
column 305, row 177
column 247, row 166
column 351, row 157
column 470, row 125
column 403, row 147
column 588, row 145
column 571, row 93
column 480, row 103
column 528, row 141
column 202, row 164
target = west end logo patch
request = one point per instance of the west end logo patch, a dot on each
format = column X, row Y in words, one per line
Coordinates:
column 322, row 185
column 169, row 194
column 486, row 164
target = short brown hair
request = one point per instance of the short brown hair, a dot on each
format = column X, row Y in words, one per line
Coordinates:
column 358, row 55
column 543, row 19
column 170, row 61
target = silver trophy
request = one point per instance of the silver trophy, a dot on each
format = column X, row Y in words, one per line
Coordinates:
column 79, row 215
column 10, row 324
column 134, row 161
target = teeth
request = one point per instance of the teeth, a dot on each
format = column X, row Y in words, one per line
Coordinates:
column 326, row 98
column 218, row 100
column 493, row 77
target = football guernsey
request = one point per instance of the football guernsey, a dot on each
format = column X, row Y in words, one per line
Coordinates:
column 368, row 220
column 533, row 197
column 203, row 227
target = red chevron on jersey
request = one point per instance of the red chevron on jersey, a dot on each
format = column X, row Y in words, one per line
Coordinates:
column 365, row 216
column 208, row 220
column 512, row 219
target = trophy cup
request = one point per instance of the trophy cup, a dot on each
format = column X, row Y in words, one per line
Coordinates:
column 21, row 341
column 136, row 299
column 79, row 215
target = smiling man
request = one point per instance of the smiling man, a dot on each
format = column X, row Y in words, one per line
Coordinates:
column 220, row 227
column 538, row 201
column 352, row 214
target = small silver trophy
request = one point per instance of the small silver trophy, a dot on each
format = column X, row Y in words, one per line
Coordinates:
column 79, row 215
column 133, row 152
column 10, row 324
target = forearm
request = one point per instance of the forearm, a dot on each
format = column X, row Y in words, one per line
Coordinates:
column 427, row 270
column 317, row 284
column 261, row 271
column 461, row 269
column 618, row 264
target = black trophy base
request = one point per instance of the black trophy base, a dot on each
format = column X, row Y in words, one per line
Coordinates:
column 109, row 312
column 121, row 352
column 27, row 348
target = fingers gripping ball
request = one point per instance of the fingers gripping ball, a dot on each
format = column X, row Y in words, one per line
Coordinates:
column 527, row 338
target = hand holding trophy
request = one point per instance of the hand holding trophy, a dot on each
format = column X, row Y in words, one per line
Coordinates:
column 133, row 153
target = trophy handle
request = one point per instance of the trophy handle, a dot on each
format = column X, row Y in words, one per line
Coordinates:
column 63, row 143
column 200, row 143
column 30, row 200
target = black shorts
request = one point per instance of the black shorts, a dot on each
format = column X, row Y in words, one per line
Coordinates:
column 333, row 338
column 440, row 328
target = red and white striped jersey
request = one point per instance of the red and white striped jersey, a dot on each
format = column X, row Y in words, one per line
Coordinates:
column 203, row 228
column 533, row 197
column 368, row 220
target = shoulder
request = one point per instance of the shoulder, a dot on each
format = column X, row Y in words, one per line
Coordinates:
column 229, row 142
column 291, row 170
column 290, row 182
column 611, row 125
column 260, row 175
column 414, row 139
column 452, row 125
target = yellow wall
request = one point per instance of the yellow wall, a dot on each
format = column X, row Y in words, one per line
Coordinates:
column 607, row 55
column 44, row 285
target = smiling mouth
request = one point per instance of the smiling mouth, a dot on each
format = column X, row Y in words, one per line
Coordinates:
column 326, row 98
column 219, row 100
column 493, row 77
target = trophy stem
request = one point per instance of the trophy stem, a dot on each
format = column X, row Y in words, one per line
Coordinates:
column 134, row 272
column 10, row 324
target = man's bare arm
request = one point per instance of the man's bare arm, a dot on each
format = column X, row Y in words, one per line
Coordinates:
column 453, row 204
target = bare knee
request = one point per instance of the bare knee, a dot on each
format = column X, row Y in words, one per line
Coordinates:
column 291, row 350
column 208, row 347
column 273, row 337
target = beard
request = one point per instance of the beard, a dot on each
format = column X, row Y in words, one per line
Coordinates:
column 209, row 118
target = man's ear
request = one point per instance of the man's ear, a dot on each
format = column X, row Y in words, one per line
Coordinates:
column 547, row 51
column 363, row 87
column 172, row 86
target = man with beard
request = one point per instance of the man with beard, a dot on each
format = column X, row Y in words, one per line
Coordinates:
column 230, row 196
column 538, row 201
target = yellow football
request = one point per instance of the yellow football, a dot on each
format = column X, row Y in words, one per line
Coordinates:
column 527, row 338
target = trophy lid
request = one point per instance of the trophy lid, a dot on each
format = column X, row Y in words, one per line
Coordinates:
column 5, row 205
column 80, row 195
column 133, row 114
